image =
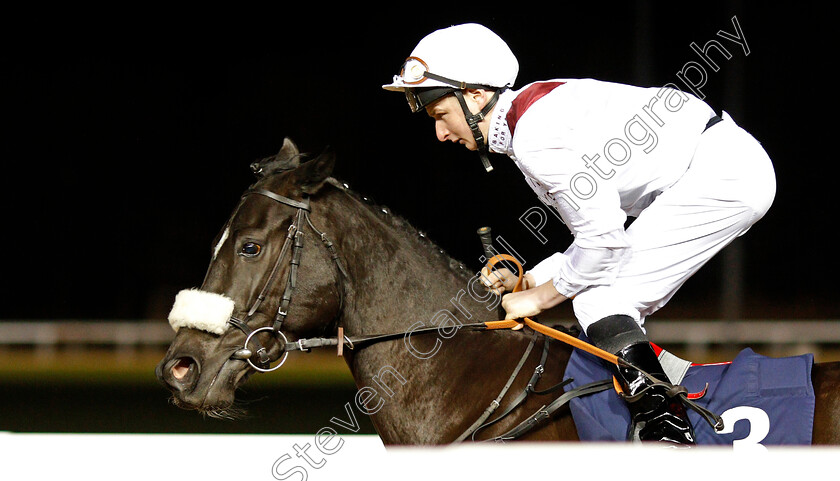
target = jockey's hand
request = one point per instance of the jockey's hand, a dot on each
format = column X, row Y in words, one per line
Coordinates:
column 500, row 280
column 531, row 302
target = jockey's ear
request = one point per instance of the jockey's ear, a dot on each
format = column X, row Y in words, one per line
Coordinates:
column 479, row 96
column 312, row 174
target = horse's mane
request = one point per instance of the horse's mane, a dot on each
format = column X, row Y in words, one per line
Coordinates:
column 402, row 226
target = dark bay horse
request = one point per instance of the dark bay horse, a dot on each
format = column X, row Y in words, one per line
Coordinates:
column 304, row 262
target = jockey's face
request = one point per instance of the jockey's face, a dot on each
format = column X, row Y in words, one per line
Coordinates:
column 450, row 122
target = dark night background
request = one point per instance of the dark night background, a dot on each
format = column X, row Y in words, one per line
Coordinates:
column 126, row 142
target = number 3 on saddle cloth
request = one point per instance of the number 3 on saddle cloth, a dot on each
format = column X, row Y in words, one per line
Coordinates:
column 762, row 400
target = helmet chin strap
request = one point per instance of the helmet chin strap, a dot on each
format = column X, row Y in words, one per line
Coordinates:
column 473, row 120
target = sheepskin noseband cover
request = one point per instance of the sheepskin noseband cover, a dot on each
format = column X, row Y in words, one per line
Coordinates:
column 202, row 310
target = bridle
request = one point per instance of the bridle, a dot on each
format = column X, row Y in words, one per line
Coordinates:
column 293, row 241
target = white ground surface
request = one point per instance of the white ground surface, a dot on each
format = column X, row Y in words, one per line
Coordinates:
column 312, row 457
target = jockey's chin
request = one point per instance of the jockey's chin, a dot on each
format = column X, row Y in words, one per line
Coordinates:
column 468, row 144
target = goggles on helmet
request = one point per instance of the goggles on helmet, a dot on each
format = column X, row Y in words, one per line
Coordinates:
column 414, row 72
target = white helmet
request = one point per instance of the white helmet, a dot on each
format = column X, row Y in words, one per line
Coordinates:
column 450, row 60
column 458, row 57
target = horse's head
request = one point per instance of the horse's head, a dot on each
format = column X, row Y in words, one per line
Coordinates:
column 253, row 290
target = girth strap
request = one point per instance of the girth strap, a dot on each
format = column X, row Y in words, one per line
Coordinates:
column 548, row 410
column 529, row 389
column 479, row 423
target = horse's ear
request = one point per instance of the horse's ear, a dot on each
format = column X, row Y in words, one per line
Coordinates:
column 288, row 152
column 311, row 175
column 287, row 158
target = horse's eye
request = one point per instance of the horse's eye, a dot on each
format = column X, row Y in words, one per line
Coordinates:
column 250, row 249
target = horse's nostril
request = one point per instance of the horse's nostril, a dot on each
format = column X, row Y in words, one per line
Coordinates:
column 182, row 368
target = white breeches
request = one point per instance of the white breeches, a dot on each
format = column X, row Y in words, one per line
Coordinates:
column 729, row 185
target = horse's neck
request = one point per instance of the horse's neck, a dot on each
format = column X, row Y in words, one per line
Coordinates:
column 421, row 384
column 398, row 279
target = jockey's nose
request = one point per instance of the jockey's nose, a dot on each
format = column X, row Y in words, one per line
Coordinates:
column 441, row 132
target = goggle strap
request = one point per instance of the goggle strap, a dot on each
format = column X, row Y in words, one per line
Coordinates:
column 455, row 83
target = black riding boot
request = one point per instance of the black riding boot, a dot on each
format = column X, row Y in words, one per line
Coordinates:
column 656, row 415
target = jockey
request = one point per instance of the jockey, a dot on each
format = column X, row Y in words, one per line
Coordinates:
column 598, row 153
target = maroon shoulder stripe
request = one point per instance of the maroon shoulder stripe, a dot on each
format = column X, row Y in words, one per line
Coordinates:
column 526, row 98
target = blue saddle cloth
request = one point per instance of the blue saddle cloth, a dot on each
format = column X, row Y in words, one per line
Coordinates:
column 769, row 401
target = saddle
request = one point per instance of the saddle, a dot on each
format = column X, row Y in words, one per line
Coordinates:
column 763, row 401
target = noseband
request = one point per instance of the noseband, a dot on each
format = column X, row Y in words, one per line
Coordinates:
column 293, row 241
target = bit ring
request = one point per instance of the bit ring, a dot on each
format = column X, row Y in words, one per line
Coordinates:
column 282, row 360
